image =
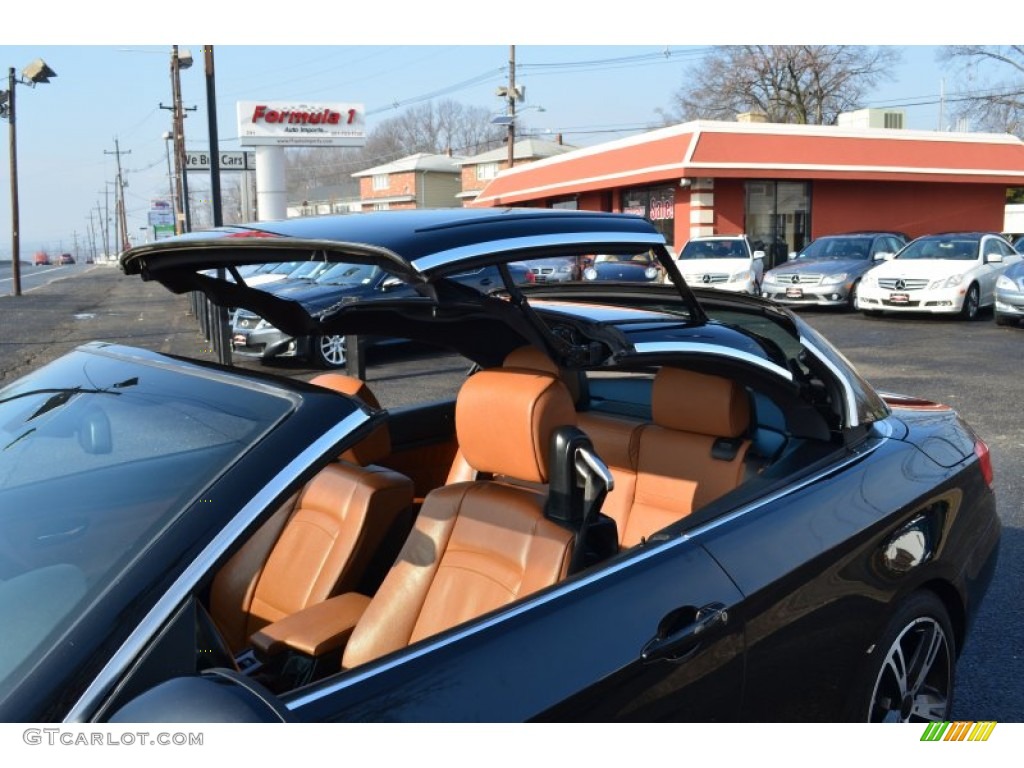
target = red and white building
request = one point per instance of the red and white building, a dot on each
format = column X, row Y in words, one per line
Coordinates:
column 781, row 184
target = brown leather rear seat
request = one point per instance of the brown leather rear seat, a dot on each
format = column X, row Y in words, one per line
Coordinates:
column 321, row 542
column 692, row 452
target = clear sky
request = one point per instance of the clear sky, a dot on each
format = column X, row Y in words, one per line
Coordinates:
column 109, row 93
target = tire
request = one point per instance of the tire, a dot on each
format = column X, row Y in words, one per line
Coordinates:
column 329, row 352
column 910, row 672
column 972, row 303
column 1003, row 319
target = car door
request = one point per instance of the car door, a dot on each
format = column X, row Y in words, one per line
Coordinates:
column 648, row 636
column 989, row 270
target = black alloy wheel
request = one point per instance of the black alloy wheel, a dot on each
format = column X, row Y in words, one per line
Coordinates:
column 910, row 672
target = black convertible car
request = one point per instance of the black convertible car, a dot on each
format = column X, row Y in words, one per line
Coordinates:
column 644, row 503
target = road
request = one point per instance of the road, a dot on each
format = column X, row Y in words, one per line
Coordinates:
column 33, row 277
column 974, row 366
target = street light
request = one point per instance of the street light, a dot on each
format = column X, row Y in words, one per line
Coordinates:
column 36, row 72
column 509, row 120
column 170, row 177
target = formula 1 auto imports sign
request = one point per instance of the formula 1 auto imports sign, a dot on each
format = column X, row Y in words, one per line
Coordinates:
column 301, row 124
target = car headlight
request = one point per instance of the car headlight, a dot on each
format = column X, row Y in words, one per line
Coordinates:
column 651, row 273
column 590, row 273
column 1005, row 283
column 950, row 282
column 740, row 277
column 770, row 278
column 869, row 279
column 833, row 279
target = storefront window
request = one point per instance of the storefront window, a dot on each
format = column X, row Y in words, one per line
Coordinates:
column 778, row 218
column 656, row 204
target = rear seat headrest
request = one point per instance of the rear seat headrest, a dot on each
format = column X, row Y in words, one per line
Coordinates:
column 347, row 385
column 504, row 418
column 376, row 445
column 697, row 402
column 535, row 359
column 531, row 358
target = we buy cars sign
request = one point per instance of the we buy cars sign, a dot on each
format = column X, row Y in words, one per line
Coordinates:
column 228, row 161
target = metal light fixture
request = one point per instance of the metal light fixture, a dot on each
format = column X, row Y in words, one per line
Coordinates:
column 36, row 72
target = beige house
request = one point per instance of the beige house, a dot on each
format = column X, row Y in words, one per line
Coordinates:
column 479, row 170
column 417, row 181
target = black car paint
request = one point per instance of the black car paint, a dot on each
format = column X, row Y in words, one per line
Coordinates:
column 817, row 545
column 771, row 592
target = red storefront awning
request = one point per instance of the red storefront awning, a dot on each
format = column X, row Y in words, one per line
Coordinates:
column 765, row 151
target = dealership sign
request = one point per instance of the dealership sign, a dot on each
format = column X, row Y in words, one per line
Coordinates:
column 298, row 124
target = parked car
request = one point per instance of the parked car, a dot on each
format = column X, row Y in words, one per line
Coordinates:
column 282, row 272
column 725, row 262
column 555, row 269
column 67, row 258
column 952, row 273
column 254, row 337
column 828, row 271
column 641, row 505
column 623, row 267
column 1009, row 306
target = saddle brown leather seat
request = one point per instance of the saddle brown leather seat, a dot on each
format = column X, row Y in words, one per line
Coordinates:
column 318, row 544
column 480, row 544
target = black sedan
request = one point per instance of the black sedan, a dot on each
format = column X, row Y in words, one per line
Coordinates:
column 644, row 503
column 253, row 336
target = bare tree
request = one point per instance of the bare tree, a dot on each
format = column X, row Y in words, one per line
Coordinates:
column 435, row 128
column 788, row 83
column 431, row 128
column 991, row 93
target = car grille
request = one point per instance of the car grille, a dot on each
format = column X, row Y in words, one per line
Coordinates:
column 796, row 278
column 906, row 284
column 706, row 278
column 542, row 274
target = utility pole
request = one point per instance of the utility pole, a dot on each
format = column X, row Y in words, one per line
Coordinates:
column 511, row 105
column 223, row 335
column 183, row 217
column 119, row 200
column 15, row 214
column 110, row 238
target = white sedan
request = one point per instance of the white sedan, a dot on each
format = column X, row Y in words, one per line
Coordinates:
column 725, row 262
column 949, row 273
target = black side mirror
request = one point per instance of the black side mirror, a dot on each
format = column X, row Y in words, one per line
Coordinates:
column 216, row 696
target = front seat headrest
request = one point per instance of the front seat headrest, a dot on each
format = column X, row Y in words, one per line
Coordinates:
column 504, row 418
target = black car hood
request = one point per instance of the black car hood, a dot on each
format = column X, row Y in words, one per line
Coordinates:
column 622, row 270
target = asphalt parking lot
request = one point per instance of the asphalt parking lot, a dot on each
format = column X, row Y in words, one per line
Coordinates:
column 975, row 367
